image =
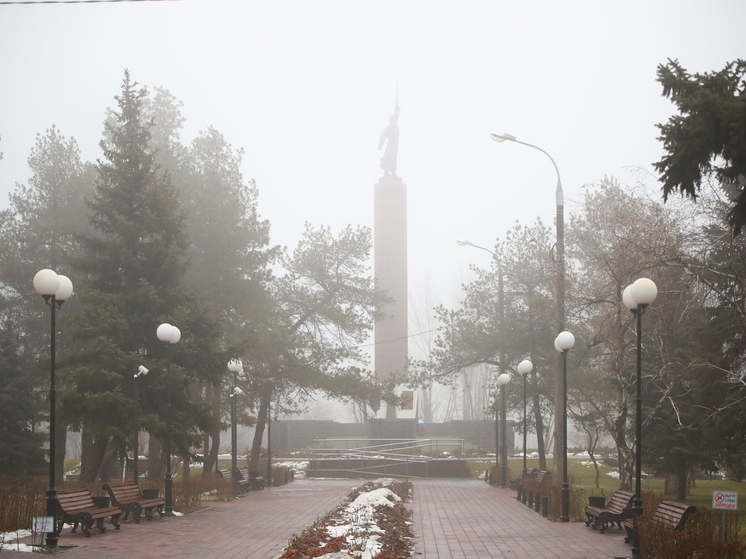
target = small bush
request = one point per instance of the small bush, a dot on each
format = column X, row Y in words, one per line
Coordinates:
column 188, row 493
column 281, row 475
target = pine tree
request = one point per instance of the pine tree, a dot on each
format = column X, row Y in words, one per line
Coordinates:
column 132, row 279
column 37, row 231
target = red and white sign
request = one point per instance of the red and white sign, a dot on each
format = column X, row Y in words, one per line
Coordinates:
column 725, row 500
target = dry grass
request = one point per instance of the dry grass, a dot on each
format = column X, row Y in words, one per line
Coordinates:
column 20, row 505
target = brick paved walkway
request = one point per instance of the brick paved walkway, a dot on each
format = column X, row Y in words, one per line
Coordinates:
column 462, row 519
column 453, row 519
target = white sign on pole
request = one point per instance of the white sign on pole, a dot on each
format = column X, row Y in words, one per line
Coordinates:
column 725, row 500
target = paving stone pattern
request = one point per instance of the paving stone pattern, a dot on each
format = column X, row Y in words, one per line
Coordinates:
column 461, row 519
column 453, row 519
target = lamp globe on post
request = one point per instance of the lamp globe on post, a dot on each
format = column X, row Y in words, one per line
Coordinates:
column 502, row 380
column 169, row 335
column 234, row 365
column 55, row 289
column 563, row 343
column 524, row 369
column 636, row 298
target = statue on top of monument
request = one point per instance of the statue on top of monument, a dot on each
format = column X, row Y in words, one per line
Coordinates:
column 390, row 136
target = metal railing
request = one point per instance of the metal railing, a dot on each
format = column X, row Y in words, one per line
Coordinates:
column 393, row 458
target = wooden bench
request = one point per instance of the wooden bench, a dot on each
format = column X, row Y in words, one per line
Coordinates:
column 671, row 514
column 616, row 511
column 534, row 488
column 543, row 478
column 129, row 498
column 241, row 484
column 255, row 482
column 76, row 506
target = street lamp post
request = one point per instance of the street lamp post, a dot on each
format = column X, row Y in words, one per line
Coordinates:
column 563, row 343
column 235, row 366
column 560, row 258
column 502, row 380
column 169, row 335
column 55, row 289
column 636, row 298
column 501, row 355
column 141, row 372
column 524, row 368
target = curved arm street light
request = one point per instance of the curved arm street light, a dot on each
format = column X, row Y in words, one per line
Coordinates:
column 563, row 343
column 55, row 289
column 560, row 258
column 169, row 335
column 636, row 298
column 524, row 369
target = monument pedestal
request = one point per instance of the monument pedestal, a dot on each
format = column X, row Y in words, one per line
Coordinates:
column 390, row 270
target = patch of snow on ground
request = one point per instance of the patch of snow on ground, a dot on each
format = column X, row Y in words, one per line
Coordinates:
column 613, row 473
column 356, row 523
column 10, row 541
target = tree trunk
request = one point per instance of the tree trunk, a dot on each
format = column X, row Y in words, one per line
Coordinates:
column 60, row 449
column 110, row 468
column 185, row 468
column 427, row 405
column 86, row 452
column 539, row 431
column 96, row 459
column 156, row 468
column 678, row 483
column 261, row 421
column 209, row 458
column 682, row 487
column 625, row 457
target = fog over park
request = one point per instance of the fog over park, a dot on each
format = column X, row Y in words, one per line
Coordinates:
column 306, row 88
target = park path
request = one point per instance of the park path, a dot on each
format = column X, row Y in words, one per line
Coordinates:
column 453, row 519
column 463, row 519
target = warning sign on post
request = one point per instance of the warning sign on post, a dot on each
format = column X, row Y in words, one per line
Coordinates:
column 725, row 500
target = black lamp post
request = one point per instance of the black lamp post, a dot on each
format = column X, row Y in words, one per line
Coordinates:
column 55, row 289
column 524, row 368
column 636, row 298
column 502, row 380
column 141, row 372
column 234, row 365
column 563, row 343
column 169, row 335
column 500, row 445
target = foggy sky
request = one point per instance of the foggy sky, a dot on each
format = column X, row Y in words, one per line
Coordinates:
column 307, row 87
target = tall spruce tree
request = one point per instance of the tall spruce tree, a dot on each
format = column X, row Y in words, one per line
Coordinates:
column 131, row 279
column 708, row 136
